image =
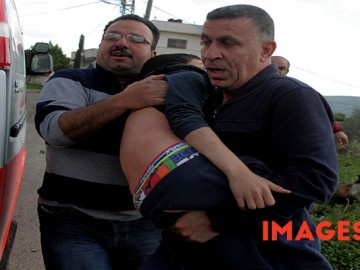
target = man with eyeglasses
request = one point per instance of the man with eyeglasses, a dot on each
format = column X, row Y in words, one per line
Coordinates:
column 87, row 218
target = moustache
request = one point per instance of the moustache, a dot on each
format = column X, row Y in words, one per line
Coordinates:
column 121, row 52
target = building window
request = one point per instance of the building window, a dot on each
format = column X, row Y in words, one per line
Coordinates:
column 177, row 43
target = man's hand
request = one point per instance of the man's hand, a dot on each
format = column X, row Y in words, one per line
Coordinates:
column 194, row 226
column 145, row 93
column 342, row 138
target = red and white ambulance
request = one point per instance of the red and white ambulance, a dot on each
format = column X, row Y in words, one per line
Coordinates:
column 12, row 120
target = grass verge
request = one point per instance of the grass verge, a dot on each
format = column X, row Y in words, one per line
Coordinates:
column 345, row 254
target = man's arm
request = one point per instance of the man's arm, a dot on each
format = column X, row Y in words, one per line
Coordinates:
column 339, row 134
column 79, row 123
column 64, row 115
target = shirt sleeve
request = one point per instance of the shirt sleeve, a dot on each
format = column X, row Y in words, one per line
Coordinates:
column 61, row 93
column 187, row 93
column 337, row 127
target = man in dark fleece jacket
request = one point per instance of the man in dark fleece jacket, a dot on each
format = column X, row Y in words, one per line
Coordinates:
column 279, row 120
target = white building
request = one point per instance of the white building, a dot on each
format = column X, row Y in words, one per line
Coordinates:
column 175, row 37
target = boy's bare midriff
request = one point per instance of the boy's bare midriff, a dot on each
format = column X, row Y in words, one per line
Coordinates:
column 146, row 135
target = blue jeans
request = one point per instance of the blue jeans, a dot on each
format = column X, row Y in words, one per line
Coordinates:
column 72, row 240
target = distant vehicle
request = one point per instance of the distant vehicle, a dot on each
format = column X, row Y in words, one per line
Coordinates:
column 13, row 116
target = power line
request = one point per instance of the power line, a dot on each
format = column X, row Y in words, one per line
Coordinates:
column 107, row 2
column 102, row 23
column 171, row 15
column 61, row 9
column 328, row 78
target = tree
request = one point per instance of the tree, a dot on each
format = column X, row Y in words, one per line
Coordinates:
column 60, row 59
column 78, row 57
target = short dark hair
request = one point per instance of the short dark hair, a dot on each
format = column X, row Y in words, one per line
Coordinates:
column 155, row 31
column 162, row 60
column 262, row 22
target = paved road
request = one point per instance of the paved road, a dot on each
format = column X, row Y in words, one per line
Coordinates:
column 26, row 252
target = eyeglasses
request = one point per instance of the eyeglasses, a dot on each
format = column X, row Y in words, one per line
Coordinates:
column 132, row 38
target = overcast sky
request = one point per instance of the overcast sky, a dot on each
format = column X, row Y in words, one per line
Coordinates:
column 321, row 38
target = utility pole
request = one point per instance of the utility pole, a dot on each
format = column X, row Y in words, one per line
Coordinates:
column 127, row 7
column 148, row 9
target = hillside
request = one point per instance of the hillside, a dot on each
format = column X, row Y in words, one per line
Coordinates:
column 343, row 104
